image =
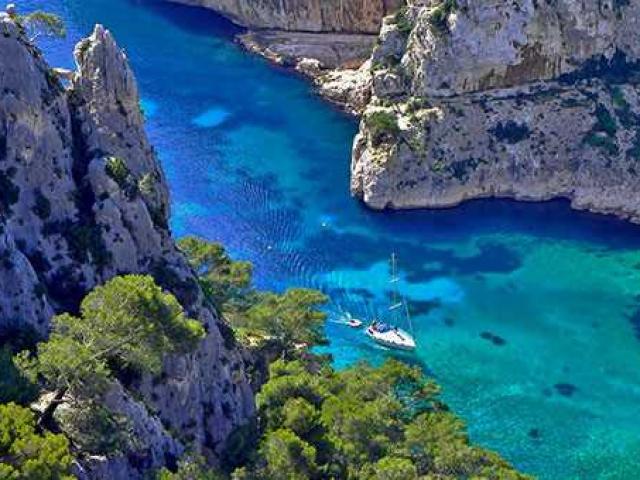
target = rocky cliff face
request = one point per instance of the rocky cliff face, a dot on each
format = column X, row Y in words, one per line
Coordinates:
column 337, row 16
column 523, row 99
column 82, row 199
column 337, row 33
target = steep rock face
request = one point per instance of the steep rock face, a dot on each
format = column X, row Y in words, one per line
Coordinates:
column 338, row 33
column 490, row 44
column 83, row 199
column 346, row 16
column 524, row 99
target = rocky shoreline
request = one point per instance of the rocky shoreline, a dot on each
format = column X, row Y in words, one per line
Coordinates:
column 459, row 112
column 461, row 101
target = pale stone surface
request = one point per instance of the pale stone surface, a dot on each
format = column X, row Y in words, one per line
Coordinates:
column 346, row 16
column 507, row 100
column 332, row 50
column 66, row 225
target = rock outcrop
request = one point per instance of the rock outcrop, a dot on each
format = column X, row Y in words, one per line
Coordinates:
column 82, row 199
column 526, row 99
column 319, row 16
column 337, row 33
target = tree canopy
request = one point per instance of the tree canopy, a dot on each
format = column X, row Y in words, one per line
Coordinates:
column 129, row 322
column 40, row 23
column 364, row 423
column 222, row 279
column 26, row 454
column 290, row 319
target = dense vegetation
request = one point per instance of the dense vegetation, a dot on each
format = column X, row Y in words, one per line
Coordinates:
column 287, row 321
column 313, row 422
column 126, row 327
column 362, row 423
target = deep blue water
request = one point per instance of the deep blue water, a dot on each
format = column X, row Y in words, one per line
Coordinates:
column 527, row 314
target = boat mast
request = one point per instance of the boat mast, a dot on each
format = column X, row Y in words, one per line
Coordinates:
column 395, row 304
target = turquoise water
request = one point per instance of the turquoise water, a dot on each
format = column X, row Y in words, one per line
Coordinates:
column 527, row 314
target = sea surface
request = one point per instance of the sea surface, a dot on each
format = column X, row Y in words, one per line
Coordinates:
column 528, row 315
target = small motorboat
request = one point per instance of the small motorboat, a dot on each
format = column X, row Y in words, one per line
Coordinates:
column 352, row 322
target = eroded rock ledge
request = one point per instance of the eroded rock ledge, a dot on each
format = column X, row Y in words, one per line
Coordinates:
column 525, row 99
column 82, row 199
column 327, row 40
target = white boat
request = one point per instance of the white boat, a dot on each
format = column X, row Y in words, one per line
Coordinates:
column 391, row 337
column 352, row 322
column 388, row 333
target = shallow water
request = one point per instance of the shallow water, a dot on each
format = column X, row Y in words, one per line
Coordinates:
column 527, row 314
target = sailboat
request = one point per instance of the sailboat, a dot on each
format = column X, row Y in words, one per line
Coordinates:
column 389, row 334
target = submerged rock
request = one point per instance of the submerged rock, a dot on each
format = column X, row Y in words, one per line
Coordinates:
column 82, row 199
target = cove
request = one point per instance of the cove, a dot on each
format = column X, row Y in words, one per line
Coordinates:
column 528, row 315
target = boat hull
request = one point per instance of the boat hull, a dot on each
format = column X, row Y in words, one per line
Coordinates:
column 398, row 340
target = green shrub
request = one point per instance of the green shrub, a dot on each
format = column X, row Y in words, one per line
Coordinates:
column 14, row 387
column 27, row 454
column 383, row 127
column 605, row 121
column 362, row 423
column 439, row 16
column 117, row 169
column 403, row 22
column 603, row 142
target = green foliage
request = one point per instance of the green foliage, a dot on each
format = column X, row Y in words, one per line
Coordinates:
column 291, row 318
column 605, row 121
column 94, row 429
column 223, row 280
column 603, row 142
column 603, row 133
column 147, row 184
column 383, row 126
column 383, row 423
column 439, row 16
column 117, row 169
column 43, row 23
column 127, row 323
column 403, row 22
column 392, row 468
column 287, row 456
column 190, row 468
column 25, row 454
column 14, row 387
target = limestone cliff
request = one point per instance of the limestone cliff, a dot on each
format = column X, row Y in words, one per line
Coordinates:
column 337, row 16
column 337, row 33
column 522, row 99
column 82, row 199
